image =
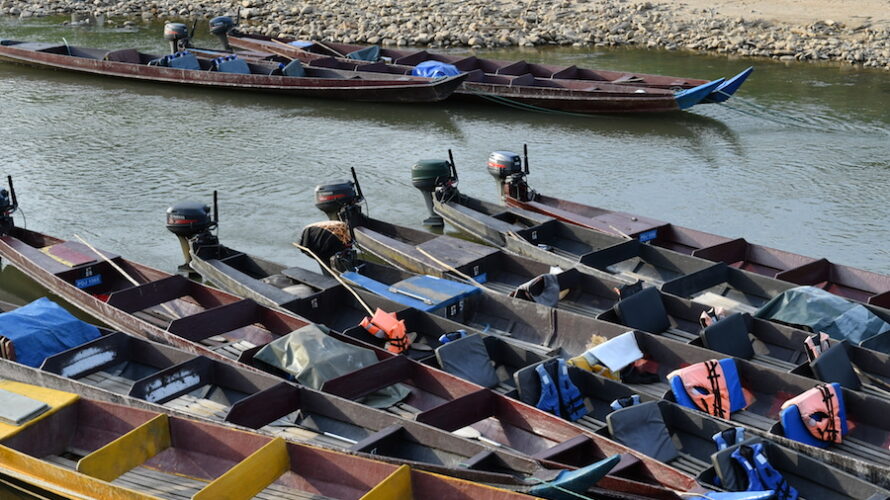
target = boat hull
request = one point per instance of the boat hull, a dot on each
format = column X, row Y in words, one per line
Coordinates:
column 407, row 91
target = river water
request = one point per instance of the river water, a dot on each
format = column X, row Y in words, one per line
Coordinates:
column 799, row 161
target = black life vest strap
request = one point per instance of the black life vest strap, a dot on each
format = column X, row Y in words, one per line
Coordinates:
column 714, row 378
column 832, row 430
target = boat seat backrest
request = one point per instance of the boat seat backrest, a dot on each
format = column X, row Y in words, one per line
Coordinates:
column 729, row 336
column 644, row 311
column 528, row 382
column 124, row 55
column 294, row 68
column 834, row 365
column 183, row 60
column 468, row 359
column 641, row 427
column 231, row 64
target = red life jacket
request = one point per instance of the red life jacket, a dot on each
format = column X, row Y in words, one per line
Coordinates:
column 820, row 411
column 705, row 384
column 385, row 325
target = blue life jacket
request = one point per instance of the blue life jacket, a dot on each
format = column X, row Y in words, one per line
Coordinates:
column 561, row 398
column 549, row 400
column 633, row 399
column 729, row 437
column 572, row 402
column 761, row 475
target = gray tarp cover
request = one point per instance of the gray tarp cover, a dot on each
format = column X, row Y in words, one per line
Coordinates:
column 314, row 357
column 824, row 312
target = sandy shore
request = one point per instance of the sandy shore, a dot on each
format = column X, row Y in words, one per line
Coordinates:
column 797, row 12
column 855, row 32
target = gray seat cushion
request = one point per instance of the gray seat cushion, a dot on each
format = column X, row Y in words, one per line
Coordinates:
column 729, row 336
column 644, row 311
column 641, row 427
column 834, row 365
column 468, row 358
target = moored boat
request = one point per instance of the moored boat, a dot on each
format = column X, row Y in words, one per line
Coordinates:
column 563, row 88
column 228, row 71
column 80, row 448
column 555, row 242
column 852, row 283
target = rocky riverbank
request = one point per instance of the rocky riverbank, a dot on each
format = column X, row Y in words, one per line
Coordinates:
column 477, row 23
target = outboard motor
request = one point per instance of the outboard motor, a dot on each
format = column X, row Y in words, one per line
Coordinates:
column 178, row 36
column 430, row 176
column 8, row 205
column 191, row 221
column 341, row 200
column 507, row 169
column 221, row 26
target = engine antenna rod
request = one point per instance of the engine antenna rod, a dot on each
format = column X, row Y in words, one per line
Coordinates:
column 358, row 187
column 453, row 166
column 215, row 209
column 525, row 157
column 15, row 201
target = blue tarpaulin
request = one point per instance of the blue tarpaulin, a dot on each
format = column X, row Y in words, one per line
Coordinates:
column 41, row 329
column 435, row 69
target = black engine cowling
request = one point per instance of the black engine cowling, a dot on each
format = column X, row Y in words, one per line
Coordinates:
column 503, row 164
column 220, row 27
column 189, row 218
column 332, row 197
column 178, row 35
column 507, row 169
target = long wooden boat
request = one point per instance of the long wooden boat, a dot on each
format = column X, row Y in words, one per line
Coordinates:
column 590, row 292
column 846, row 281
column 257, row 76
column 562, row 88
column 81, row 448
column 176, row 311
column 525, row 334
column 559, row 243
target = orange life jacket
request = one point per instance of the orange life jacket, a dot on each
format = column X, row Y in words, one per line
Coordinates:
column 705, row 384
column 385, row 325
column 820, row 411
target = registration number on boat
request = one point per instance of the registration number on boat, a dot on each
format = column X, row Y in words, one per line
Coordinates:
column 88, row 281
column 648, row 235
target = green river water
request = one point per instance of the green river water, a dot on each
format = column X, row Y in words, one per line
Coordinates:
column 799, row 161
